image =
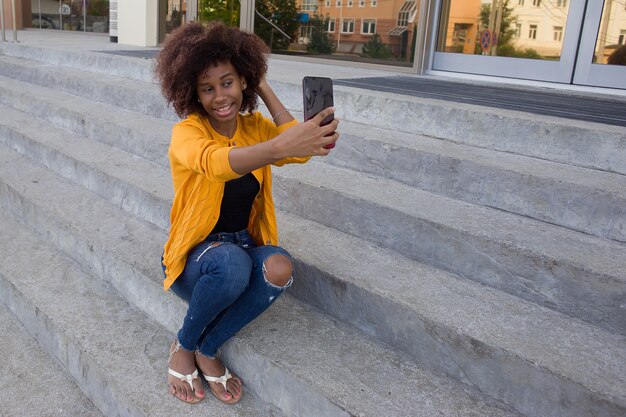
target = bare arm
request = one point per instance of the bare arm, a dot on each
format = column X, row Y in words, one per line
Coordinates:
column 278, row 111
column 303, row 139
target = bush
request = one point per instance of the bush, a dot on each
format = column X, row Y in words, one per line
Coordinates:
column 375, row 48
column 320, row 42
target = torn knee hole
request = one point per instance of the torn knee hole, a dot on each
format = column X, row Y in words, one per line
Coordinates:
column 277, row 270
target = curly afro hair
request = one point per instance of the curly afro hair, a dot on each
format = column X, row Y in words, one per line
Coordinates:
column 193, row 47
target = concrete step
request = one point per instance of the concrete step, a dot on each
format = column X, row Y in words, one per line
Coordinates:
column 561, row 140
column 582, row 199
column 139, row 96
column 131, row 182
column 33, row 383
column 311, row 364
column 541, row 362
column 498, row 255
column 115, row 353
column 568, row 271
column 290, row 87
column 133, row 132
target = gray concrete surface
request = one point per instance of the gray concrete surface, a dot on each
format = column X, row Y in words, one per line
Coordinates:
column 32, row 383
column 550, row 138
column 530, row 358
column 116, row 246
column 588, row 200
column 569, row 271
column 112, row 174
column 117, row 355
column 298, row 382
column 578, row 198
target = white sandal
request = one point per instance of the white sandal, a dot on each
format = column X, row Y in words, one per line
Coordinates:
column 184, row 378
column 222, row 380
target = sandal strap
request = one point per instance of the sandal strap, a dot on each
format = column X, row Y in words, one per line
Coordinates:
column 185, row 378
column 220, row 379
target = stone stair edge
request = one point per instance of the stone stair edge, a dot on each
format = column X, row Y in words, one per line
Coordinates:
column 609, row 182
column 92, row 61
column 52, row 389
column 352, row 338
column 569, row 271
column 159, row 191
column 122, row 250
column 159, row 188
column 357, row 131
column 99, row 349
column 606, row 188
column 383, row 192
column 83, row 60
column 159, row 218
column 415, row 287
column 289, row 89
column 351, row 130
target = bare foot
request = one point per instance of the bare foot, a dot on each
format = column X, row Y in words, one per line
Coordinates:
column 183, row 362
column 215, row 368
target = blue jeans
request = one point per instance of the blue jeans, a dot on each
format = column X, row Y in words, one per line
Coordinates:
column 225, row 285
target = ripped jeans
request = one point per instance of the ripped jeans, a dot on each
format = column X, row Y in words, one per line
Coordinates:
column 225, row 285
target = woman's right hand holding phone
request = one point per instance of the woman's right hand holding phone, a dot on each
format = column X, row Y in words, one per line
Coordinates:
column 308, row 138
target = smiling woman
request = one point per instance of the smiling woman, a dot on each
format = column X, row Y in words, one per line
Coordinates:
column 222, row 254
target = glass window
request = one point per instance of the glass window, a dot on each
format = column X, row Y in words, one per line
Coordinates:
column 406, row 13
column 330, row 27
column 611, row 40
column 503, row 28
column 309, row 5
column 537, row 3
column 558, row 33
column 561, row 3
column 344, row 29
column 347, row 26
column 368, row 26
column 306, row 31
column 74, row 15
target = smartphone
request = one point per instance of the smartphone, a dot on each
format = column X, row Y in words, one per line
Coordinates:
column 317, row 93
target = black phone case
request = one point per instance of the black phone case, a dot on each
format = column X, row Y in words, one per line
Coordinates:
column 317, row 93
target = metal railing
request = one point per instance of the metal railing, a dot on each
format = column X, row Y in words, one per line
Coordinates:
column 14, row 20
column 272, row 24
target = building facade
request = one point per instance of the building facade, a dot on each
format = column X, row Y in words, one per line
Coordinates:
column 560, row 41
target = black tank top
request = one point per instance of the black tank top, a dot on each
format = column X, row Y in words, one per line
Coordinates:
column 236, row 204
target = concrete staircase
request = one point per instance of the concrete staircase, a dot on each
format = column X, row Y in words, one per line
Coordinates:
column 452, row 260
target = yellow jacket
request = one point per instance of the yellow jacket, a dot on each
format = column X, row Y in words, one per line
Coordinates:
column 199, row 163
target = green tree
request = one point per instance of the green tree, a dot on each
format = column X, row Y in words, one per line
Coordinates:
column 225, row 10
column 506, row 34
column 282, row 13
column 98, row 8
column 375, row 48
column 320, row 41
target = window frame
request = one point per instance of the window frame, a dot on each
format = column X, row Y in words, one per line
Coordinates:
column 368, row 21
column 331, row 20
column 347, row 20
